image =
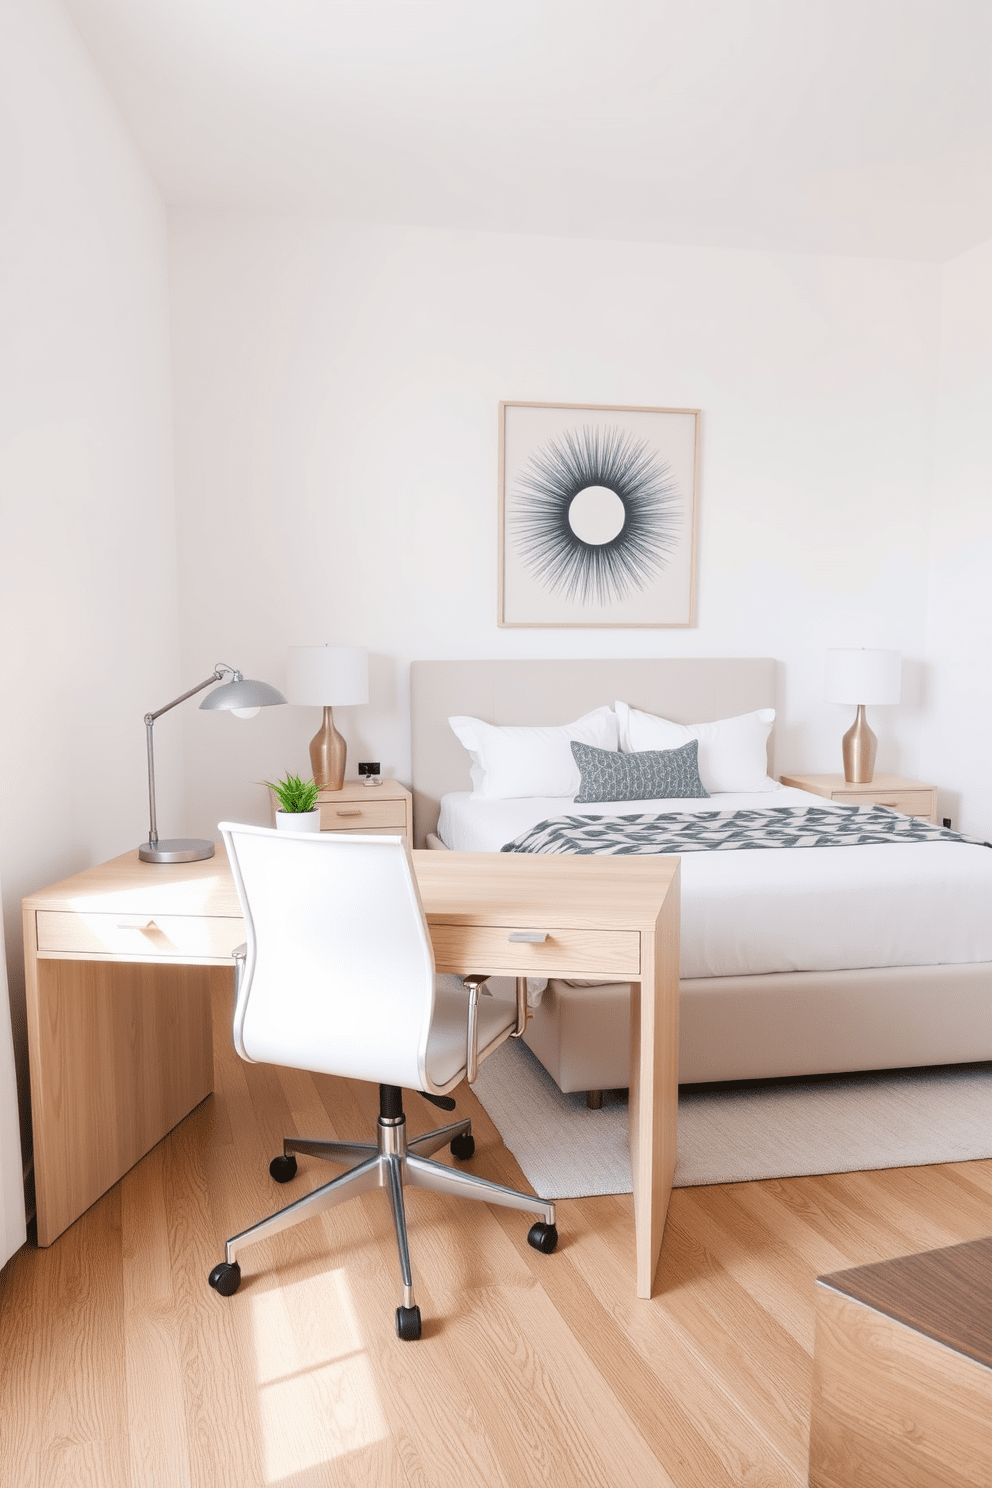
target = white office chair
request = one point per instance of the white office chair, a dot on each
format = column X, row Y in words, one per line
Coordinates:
column 338, row 977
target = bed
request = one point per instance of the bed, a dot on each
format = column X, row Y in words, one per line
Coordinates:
column 794, row 962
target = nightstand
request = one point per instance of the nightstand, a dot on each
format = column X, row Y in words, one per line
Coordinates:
column 367, row 808
column 909, row 796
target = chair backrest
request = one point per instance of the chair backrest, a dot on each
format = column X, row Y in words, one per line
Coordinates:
column 340, row 970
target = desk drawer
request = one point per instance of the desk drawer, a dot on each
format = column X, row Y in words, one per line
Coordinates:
column 362, row 816
column 487, row 948
column 183, row 936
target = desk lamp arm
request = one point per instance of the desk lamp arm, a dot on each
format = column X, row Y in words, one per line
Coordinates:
column 217, row 675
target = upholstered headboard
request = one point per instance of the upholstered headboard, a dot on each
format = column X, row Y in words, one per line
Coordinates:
column 686, row 690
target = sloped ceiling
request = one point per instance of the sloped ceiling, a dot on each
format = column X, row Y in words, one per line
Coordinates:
column 839, row 126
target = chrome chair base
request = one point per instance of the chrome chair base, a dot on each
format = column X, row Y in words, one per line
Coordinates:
column 393, row 1162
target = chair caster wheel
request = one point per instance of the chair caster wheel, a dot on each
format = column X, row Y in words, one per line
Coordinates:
column 283, row 1169
column 543, row 1237
column 408, row 1323
column 225, row 1278
column 463, row 1145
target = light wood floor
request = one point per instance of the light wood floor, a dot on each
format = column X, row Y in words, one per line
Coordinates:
column 119, row 1366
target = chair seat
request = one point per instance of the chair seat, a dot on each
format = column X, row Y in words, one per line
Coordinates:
column 446, row 1045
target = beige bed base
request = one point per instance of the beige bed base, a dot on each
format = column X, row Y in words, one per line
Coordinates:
column 731, row 1028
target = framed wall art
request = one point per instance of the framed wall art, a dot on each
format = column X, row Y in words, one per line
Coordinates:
column 597, row 515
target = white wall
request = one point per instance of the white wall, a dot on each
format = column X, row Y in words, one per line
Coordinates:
column 88, row 626
column 956, row 741
column 336, row 392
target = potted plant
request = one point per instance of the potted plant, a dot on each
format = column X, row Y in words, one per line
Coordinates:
column 298, row 804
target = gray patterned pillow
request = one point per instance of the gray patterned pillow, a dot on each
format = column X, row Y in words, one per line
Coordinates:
column 648, row 775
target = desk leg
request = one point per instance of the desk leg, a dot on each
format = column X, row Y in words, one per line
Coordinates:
column 119, row 1053
column 654, row 1085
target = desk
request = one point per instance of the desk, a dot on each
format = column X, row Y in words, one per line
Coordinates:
column 119, row 958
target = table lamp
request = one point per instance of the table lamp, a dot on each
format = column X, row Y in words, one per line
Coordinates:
column 328, row 677
column 242, row 696
column 861, row 677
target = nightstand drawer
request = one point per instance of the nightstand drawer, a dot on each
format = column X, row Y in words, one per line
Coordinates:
column 142, row 937
column 911, row 803
column 362, row 816
column 912, row 797
column 488, row 948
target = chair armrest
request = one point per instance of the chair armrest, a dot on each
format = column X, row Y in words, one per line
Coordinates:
column 474, row 985
column 523, row 1011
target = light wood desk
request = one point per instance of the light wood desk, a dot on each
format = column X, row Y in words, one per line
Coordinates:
column 119, row 961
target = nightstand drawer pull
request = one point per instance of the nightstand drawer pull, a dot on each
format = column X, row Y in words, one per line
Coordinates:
column 529, row 937
column 355, row 811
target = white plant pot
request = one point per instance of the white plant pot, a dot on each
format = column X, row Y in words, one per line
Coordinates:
column 298, row 821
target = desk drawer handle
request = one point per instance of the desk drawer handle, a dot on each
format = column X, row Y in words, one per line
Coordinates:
column 529, row 937
column 356, row 811
column 130, row 925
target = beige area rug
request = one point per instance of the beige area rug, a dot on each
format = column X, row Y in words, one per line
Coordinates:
column 830, row 1124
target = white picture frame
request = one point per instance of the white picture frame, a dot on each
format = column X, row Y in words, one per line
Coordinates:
column 597, row 515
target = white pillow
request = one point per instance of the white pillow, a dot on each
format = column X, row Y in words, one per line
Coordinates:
column 508, row 762
column 733, row 753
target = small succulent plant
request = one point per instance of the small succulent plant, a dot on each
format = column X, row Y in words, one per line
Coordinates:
column 295, row 794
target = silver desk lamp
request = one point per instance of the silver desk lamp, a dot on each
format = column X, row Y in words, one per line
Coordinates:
column 242, row 696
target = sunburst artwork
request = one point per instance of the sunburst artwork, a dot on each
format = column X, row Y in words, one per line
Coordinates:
column 597, row 515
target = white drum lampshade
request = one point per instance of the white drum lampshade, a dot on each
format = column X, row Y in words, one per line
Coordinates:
column 328, row 677
column 861, row 676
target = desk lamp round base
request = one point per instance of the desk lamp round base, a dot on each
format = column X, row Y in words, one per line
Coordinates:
column 176, row 850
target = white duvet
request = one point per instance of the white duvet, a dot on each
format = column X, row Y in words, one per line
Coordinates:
column 805, row 909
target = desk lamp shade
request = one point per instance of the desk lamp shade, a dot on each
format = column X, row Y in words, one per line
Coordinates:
column 328, row 677
column 242, row 696
column 860, row 677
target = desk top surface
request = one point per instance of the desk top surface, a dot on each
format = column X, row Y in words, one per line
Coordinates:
column 127, row 885
column 481, row 888
column 558, row 889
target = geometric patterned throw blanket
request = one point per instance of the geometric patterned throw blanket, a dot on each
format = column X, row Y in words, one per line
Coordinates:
column 728, row 831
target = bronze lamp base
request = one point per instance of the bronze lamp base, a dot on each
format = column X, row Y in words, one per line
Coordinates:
column 859, row 747
column 328, row 752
